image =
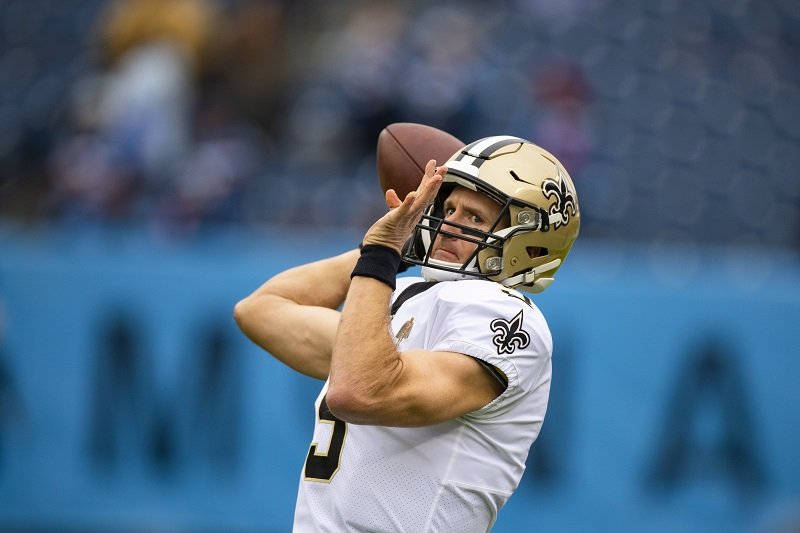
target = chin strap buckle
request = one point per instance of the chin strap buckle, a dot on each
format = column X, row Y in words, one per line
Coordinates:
column 529, row 277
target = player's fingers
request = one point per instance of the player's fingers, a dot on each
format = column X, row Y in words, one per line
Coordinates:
column 408, row 201
column 431, row 181
column 415, row 201
column 408, row 211
column 392, row 200
column 430, row 168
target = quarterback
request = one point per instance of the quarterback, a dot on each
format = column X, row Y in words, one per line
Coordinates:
column 435, row 386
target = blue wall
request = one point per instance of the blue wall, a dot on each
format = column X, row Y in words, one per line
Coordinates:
column 128, row 398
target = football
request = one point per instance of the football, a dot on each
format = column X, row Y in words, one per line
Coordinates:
column 404, row 148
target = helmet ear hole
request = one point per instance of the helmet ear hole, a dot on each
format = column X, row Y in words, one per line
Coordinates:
column 536, row 251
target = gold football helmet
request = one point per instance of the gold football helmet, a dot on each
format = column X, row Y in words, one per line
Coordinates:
column 536, row 227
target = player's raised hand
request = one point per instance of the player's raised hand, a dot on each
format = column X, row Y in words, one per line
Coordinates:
column 396, row 226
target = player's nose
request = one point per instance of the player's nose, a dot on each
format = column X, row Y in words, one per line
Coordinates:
column 451, row 228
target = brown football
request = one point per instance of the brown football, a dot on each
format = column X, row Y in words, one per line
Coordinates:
column 404, row 148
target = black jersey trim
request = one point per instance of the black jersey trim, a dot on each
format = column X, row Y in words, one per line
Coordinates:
column 495, row 372
column 409, row 292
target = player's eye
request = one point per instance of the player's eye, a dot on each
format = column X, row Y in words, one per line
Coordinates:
column 477, row 220
column 449, row 211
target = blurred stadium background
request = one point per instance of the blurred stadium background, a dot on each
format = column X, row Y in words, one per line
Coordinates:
column 160, row 158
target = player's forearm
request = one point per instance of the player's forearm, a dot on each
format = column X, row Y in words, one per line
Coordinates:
column 299, row 336
column 293, row 316
column 365, row 363
column 322, row 283
column 366, row 368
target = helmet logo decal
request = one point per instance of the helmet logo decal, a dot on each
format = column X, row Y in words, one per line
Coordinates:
column 509, row 335
column 564, row 204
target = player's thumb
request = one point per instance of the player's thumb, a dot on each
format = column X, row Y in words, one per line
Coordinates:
column 392, row 200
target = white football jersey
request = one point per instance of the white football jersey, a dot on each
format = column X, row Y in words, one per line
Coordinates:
column 449, row 477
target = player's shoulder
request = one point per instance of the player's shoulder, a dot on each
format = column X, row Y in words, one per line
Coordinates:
column 474, row 290
column 485, row 306
column 470, row 295
column 482, row 296
column 404, row 282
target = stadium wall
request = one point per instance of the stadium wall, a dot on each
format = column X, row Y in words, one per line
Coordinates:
column 130, row 401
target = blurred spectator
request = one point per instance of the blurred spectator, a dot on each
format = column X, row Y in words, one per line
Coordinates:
column 439, row 82
column 252, row 61
column 626, row 94
column 155, row 53
column 90, row 180
column 226, row 154
column 559, row 118
column 353, row 91
column 559, row 15
column 132, row 117
column 562, row 96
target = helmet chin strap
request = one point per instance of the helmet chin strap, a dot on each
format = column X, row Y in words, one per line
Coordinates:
column 528, row 277
column 431, row 273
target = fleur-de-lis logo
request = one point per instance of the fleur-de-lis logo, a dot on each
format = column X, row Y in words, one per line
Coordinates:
column 564, row 205
column 509, row 335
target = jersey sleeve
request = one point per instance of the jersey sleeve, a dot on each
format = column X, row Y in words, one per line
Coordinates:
column 498, row 326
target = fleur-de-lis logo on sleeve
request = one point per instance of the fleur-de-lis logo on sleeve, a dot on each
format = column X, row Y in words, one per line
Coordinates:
column 509, row 335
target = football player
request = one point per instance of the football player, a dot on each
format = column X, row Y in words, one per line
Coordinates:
column 435, row 387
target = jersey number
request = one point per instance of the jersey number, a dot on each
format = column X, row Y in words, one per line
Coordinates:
column 323, row 466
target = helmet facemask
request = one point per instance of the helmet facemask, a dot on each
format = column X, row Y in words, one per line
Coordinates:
column 488, row 244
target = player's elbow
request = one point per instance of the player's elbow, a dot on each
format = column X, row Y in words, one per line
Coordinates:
column 359, row 401
column 362, row 396
column 341, row 402
column 240, row 312
column 243, row 313
column 349, row 406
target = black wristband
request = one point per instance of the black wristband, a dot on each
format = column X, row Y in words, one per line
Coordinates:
column 378, row 262
column 401, row 267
